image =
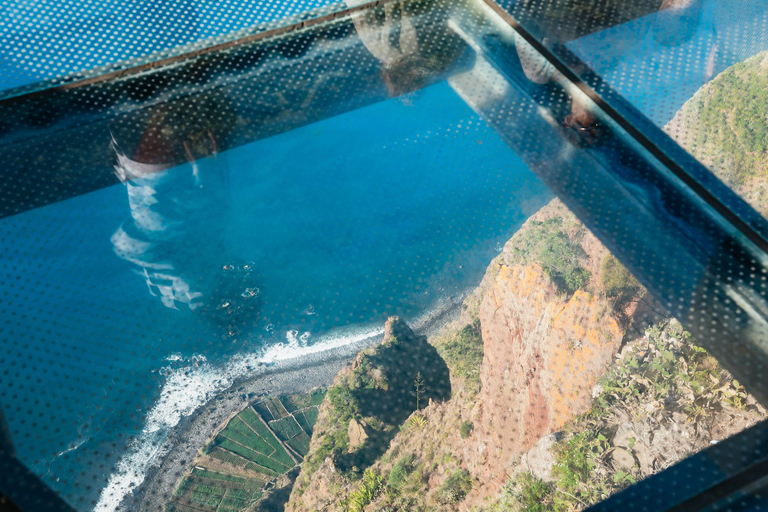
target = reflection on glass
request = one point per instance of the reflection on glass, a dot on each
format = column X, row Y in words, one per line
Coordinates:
column 364, row 207
column 175, row 236
column 694, row 68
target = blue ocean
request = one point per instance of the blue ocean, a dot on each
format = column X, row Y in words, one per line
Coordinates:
column 311, row 237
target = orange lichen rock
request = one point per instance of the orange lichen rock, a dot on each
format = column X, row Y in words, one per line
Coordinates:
column 543, row 355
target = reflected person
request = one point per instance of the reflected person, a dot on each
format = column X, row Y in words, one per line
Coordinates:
column 176, row 181
column 540, row 71
column 411, row 40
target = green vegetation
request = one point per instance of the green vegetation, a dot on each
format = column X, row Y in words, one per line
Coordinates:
column 371, row 485
column 402, row 469
column 665, row 374
column 418, row 390
column 617, row 282
column 462, row 351
column 559, row 255
column 465, row 429
column 381, row 390
column 455, row 488
column 731, row 128
column 526, row 493
column 247, row 455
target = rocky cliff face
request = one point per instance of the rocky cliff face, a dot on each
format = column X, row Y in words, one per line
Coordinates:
column 567, row 382
column 539, row 332
column 542, row 402
column 543, row 354
column 545, row 344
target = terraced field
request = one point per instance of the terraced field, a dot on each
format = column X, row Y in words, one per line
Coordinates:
column 246, row 458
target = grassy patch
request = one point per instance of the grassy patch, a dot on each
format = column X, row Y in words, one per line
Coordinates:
column 617, row 282
column 402, row 470
column 455, row 488
column 465, row 429
column 558, row 254
column 462, row 351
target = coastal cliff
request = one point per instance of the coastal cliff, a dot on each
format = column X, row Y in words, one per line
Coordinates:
column 560, row 383
column 368, row 402
column 567, row 384
column 529, row 346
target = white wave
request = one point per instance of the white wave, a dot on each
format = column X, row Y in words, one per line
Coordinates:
column 338, row 338
column 185, row 389
column 192, row 385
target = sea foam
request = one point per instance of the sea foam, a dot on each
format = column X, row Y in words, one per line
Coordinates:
column 190, row 383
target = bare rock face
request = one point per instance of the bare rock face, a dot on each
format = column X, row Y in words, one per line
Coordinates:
column 356, row 432
column 539, row 460
column 543, row 355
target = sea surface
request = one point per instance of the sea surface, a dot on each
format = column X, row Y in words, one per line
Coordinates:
column 120, row 318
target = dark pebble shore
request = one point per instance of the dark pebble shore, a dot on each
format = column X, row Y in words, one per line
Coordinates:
column 283, row 377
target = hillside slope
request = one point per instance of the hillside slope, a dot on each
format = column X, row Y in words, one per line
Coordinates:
column 724, row 125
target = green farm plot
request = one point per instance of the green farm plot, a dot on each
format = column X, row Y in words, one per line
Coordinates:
column 316, row 397
column 279, row 408
column 242, row 427
column 251, row 446
column 255, row 456
column 272, row 410
column 208, row 500
column 203, row 473
column 311, row 415
column 229, row 457
column 293, row 403
column 263, row 411
column 261, row 429
column 261, row 469
column 300, row 443
column 252, row 441
column 286, row 428
column 302, row 421
column 234, row 503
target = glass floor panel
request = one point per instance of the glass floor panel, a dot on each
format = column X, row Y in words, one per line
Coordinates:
column 693, row 68
column 194, row 252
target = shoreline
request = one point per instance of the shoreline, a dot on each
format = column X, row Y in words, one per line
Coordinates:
column 300, row 374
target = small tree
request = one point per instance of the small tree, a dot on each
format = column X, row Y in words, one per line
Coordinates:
column 418, row 384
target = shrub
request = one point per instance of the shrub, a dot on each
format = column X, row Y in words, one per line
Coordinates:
column 343, row 402
column 402, row 470
column 455, row 488
column 533, row 495
column 465, row 429
column 559, row 256
column 616, row 281
column 463, row 353
column 370, row 487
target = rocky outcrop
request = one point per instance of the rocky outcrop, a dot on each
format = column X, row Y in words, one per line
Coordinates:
column 364, row 409
column 356, row 433
column 543, row 355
